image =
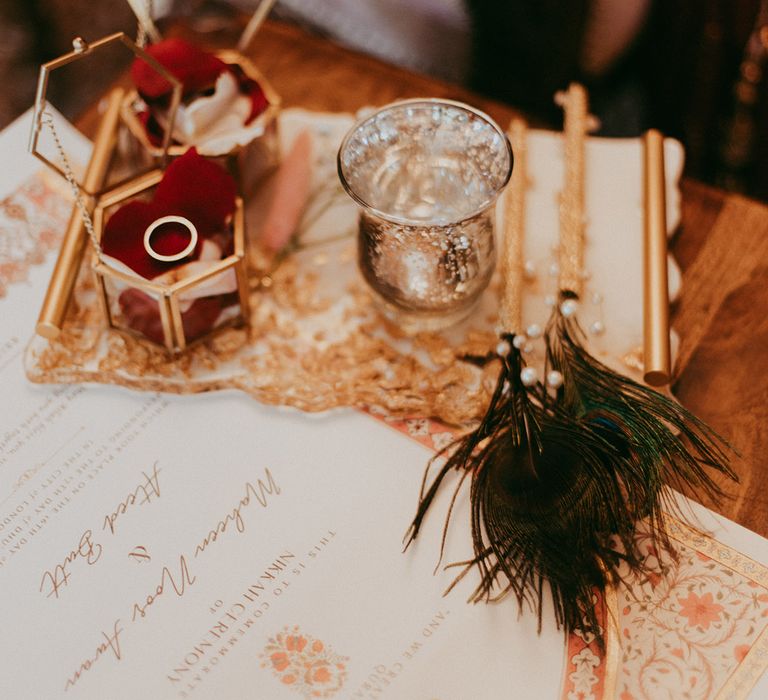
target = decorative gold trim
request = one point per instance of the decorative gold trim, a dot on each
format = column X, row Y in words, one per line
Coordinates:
column 174, row 331
column 746, row 675
column 574, row 102
column 216, row 268
column 714, row 549
column 511, row 308
column 145, row 285
column 239, row 225
column 124, row 190
column 612, row 643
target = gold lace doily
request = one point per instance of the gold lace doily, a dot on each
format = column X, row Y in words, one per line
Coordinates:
column 315, row 341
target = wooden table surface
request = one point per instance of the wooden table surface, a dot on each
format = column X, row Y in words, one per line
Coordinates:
column 721, row 245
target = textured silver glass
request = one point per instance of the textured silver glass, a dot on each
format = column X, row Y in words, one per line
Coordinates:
column 426, row 174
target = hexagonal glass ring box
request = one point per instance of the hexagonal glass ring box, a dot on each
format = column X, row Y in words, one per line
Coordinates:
column 174, row 310
column 171, row 305
column 249, row 151
column 51, row 139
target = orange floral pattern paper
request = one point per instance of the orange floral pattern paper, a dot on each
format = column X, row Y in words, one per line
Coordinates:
column 30, row 226
column 585, row 672
column 305, row 664
column 689, row 631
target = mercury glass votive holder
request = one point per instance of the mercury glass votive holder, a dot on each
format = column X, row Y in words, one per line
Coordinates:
column 426, row 174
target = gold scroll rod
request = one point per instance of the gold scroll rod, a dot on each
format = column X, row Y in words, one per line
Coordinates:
column 656, row 351
column 73, row 244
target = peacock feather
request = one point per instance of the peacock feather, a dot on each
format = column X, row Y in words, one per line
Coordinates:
column 560, row 472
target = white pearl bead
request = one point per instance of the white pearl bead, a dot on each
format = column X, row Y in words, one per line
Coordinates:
column 550, row 300
column 597, row 328
column 528, row 348
column 554, row 379
column 554, row 270
column 529, row 269
column 503, row 348
column 597, row 298
column 569, row 307
column 534, row 331
column 519, row 341
column 528, row 376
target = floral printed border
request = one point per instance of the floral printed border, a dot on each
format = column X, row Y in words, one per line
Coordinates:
column 588, row 674
column 32, row 221
column 754, row 658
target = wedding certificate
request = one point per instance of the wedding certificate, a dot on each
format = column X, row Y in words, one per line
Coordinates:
column 209, row 547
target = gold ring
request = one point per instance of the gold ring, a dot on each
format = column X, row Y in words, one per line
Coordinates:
column 170, row 220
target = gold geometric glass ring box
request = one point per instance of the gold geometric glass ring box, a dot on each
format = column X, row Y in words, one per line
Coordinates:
column 173, row 312
column 170, row 271
column 250, row 158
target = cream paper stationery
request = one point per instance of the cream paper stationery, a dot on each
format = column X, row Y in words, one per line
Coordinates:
column 210, row 547
column 152, row 546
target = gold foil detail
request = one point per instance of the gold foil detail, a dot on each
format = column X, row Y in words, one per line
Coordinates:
column 612, row 642
column 305, row 350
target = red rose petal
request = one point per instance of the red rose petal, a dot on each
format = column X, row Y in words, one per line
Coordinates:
column 196, row 68
column 123, row 238
column 259, row 101
column 142, row 314
column 252, row 89
column 199, row 189
column 200, row 317
column 153, row 130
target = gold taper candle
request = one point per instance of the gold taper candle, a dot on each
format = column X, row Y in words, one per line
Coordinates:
column 73, row 244
column 656, row 353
